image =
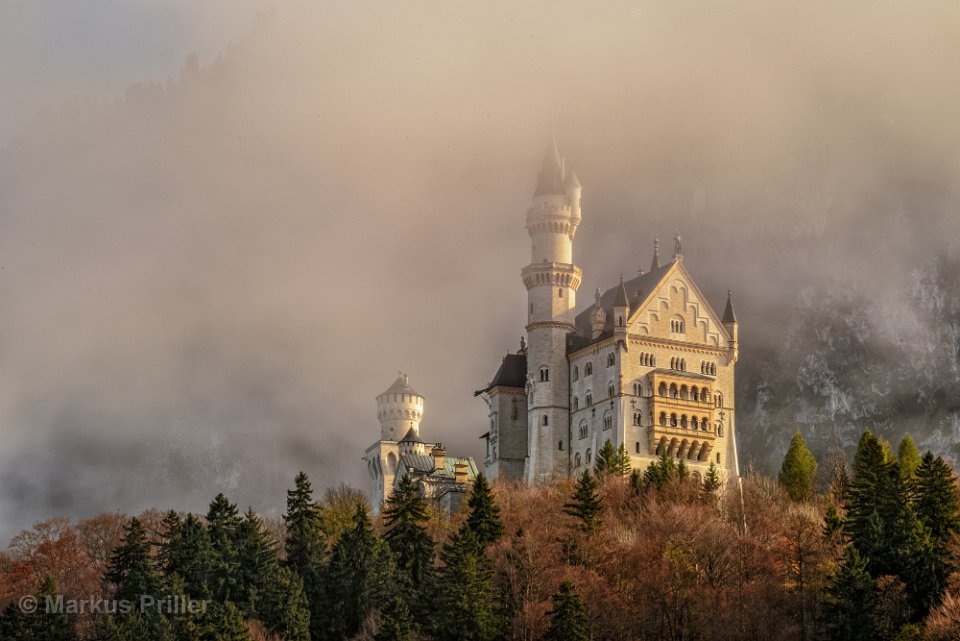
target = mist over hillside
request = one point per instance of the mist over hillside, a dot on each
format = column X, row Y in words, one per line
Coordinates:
column 207, row 282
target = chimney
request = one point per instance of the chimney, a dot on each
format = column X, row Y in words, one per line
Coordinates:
column 460, row 473
column 439, row 454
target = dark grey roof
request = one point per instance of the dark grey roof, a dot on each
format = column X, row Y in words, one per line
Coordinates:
column 512, row 372
column 411, row 437
column 643, row 284
column 424, row 464
column 621, row 298
column 729, row 316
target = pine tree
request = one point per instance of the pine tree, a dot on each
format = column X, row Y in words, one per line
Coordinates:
column 937, row 509
column 909, row 458
column 131, row 569
column 49, row 625
column 484, row 517
column 223, row 526
column 465, row 597
column 848, row 609
column 586, row 505
column 712, row 482
column 869, row 465
column 283, row 606
column 306, row 547
column 660, row 473
column 568, row 618
column 188, row 553
column 798, row 474
column 358, row 577
column 256, row 560
column 832, row 522
column 621, row 462
column 605, row 460
column 404, row 516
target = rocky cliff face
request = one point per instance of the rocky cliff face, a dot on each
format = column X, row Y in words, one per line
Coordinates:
column 849, row 359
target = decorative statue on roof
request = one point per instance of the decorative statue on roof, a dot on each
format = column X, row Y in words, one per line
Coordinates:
column 677, row 246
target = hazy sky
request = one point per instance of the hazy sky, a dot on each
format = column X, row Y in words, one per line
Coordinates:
column 210, row 271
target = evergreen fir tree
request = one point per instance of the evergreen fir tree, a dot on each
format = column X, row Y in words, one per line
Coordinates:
column 937, row 509
column 465, row 597
column 909, row 458
column 832, row 522
column 636, row 483
column 49, row 625
column 306, row 547
column 568, row 618
column 358, row 577
column 712, row 482
column 169, row 531
column 683, row 473
column 798, row 474
column 187, row 552
column 131, row 569
column 283, row 606
column 605, row 460
column 396, row 623
column 404, row 516
column 658, row 474
column 869, row 466
column 848, row 609
column 586, row 505
column 256, row 560
column 223, row 527
column 621, row 462
column 484, row 517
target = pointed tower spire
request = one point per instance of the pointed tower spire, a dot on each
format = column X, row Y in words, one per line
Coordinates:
column 677, row 247
column 550, row 178
column 729, row 316
column 655, row 265
column 621, row 299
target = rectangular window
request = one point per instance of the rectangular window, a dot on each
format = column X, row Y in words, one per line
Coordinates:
column 560, row 446
column 638, row 447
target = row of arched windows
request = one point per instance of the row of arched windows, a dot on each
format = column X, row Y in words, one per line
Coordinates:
column 682, row 421
column 677, row 326
column 648, row 360
column 695, row 451
column 578, row 460
column 636, row 419
column 708, row 368
column 685, row 393
column 544, row 375
column 611, row 359
column 678, row 364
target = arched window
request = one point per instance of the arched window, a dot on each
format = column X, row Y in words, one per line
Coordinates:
column 611, row 390
column 560, row 293
column 638, row 447
column 719, row 429
column 611, row 359
column 607, row 421
column 683, row 421
column 577, row 460
column 673, row 363
column 590, row 456
column 719, row 399
column 683, row 364
column 694, row 392
column 674, row 392
column 663, row 419
column 583, row 429
column 576, row 372
column 636, row 418
column 693, row 423
column 684, row 392
column 588, row 369
column 637, row 389
column 576, row 403
column 718, row 458
column 653, row 360
column 546, row 420
column 673, row 420
column 544, row 374
column 662, row 390
column 589, row 398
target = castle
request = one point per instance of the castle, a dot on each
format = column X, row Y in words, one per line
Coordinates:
column 648, row 365
column 400, row 452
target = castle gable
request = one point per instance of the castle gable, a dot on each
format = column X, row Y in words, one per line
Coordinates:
column 676, row 307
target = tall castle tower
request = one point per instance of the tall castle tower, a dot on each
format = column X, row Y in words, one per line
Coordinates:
column 551, row 280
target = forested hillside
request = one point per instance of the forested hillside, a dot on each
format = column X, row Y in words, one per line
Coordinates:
column 616, row 555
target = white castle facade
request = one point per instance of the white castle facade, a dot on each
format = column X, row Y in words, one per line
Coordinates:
column 649, row 364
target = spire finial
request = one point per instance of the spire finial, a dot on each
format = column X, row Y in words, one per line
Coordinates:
column 656, row 255
column 523, row 343
column 596, row 297
column 677, row 246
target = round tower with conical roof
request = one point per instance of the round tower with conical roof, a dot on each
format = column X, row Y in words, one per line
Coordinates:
column 399, row 410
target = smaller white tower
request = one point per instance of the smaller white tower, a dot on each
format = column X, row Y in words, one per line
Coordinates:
column 399, row 410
